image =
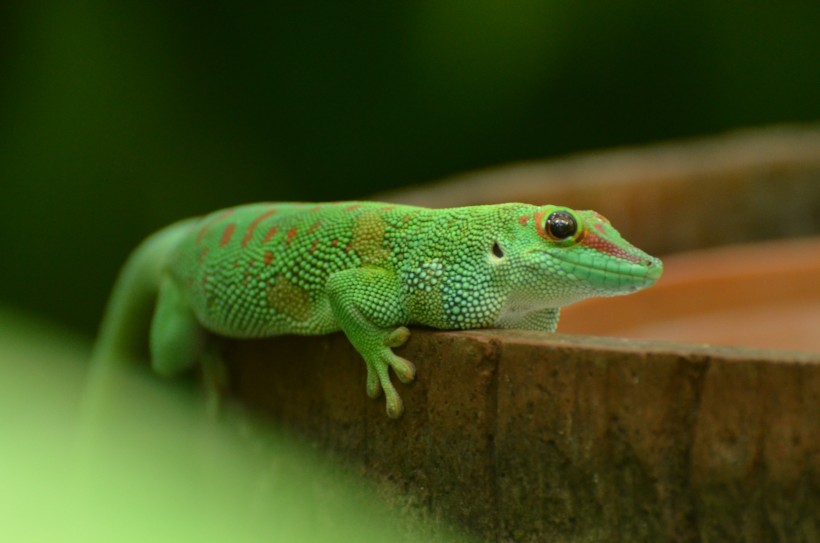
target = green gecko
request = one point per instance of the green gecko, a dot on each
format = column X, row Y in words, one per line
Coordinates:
column 368, row 269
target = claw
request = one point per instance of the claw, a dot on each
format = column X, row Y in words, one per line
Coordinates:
column 404, row 369
column 374, row 388
column 397, row 337
column 393, row 402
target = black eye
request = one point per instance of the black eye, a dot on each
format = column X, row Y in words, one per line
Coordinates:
column 497, row 250
column 561, row 225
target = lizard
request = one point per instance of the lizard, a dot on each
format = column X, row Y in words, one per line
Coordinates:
column 369, row 269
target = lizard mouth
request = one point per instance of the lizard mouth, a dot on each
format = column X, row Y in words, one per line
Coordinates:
column 624, row 274
column 650, row 269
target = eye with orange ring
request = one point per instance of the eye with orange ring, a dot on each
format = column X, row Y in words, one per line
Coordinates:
column 561, row 225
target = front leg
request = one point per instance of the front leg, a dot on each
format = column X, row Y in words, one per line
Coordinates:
column 366, row 302
column 545, row 320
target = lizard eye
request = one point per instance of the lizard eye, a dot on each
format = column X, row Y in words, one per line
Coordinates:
column 561, row 225
column 497, row 250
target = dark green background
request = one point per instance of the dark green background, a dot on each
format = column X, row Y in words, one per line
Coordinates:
column 118, row 117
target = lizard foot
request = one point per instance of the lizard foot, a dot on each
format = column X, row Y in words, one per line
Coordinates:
column 378, row 379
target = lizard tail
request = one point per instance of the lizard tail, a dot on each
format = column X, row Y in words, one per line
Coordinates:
column 124, row 330
column 123, row 333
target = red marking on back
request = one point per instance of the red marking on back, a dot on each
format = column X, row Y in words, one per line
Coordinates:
column 204, row 280
column 210, row 222
column 315, row 208
column 387, row 208
column 524, row 219
column 594, row 241
column 252, row 226
column 268, row 257
column 313, row 247
column 334, row 243
column 314, row 227
column 353, row 207
column 291, row 235
column 409, row 216
column 227, row 234
column 270, row 234
column 202, row 254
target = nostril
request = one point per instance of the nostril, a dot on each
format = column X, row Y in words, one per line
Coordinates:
column 653, row 267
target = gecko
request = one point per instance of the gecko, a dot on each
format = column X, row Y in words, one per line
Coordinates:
column 369, row 269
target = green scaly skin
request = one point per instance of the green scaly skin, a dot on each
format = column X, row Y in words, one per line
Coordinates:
column 368, row 269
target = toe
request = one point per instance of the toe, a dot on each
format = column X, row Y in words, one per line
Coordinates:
column 374, row 388
column 405, row 370
column 394, row 405
column 397, row 337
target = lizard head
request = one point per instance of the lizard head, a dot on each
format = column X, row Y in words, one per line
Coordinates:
column 580, row 255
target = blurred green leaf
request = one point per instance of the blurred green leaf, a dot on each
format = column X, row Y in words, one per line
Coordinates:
column 155, row 467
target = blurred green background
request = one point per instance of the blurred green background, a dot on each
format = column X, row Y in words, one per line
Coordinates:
column 153, row 465
column 119, row 117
